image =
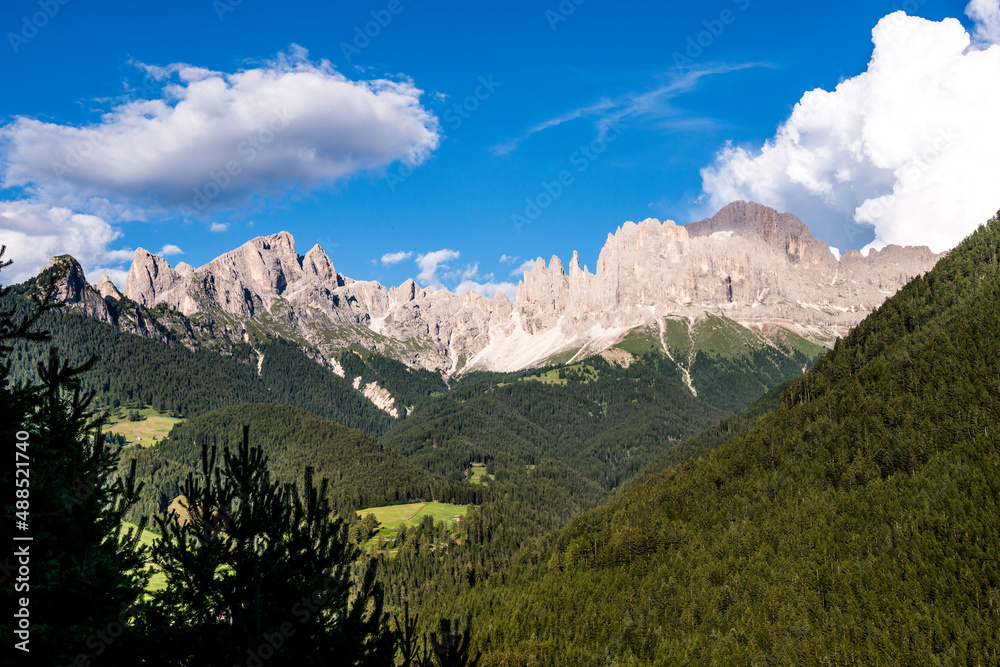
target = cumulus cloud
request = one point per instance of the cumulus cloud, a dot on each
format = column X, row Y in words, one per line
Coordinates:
column 429, row 264
column 524, row 268
column 34, row 232
column 468, row 278
column 219, row 227
column 986, row 15
column 170, row 249
column 391, row 258
column 907, row 148
column 214, row 139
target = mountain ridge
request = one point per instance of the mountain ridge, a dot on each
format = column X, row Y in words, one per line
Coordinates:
column 748, row 263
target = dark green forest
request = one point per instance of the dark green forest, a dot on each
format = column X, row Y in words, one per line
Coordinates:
column 361, row 471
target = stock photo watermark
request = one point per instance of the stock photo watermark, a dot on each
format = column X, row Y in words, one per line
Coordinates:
column 365, row 34
column 93, row 139
column 223, row 7
column 303, row 611
column 31, row 25
column 909, row 175
column 217, row 181
column 551, row 190
column 101, row 640
column 699, row 43
column 561, row 14
column 22, row 551
column 455, row 117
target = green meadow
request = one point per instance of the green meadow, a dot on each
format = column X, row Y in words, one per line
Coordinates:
column 390, row 518
column 153, row 427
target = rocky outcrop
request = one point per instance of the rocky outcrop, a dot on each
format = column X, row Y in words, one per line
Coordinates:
column 748, row 262
column 72, row 289
column 379, row 396
column 107, row 289
column 150, row 279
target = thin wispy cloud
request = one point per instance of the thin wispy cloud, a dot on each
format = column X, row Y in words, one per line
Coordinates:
column 508, row 147
column 651, row 105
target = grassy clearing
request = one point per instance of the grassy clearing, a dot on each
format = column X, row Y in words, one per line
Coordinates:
column 145, row 433
column 479, row 474
column 724, row 338
column 394, row 516
column 579, row 371
column 390, row 518
column 798, row 343
column 549, row 377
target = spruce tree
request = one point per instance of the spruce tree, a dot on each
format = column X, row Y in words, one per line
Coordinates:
column 86, row 572
column 262, row 573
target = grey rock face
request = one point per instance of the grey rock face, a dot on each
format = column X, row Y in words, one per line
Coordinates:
column 748, row 262
column 107, row 289
column 150, row 278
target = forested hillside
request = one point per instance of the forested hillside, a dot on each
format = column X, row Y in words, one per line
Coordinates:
column 362, row 472
column 602, row 421
column 134, row 371
column 557, row 443
column 856, row 524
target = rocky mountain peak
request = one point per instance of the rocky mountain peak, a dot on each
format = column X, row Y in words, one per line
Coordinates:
column 149, row 277
column 777, row 230
column 280, row 243
column 316, row 263
column 748, row 263
column 107, row 289
column 71, row 283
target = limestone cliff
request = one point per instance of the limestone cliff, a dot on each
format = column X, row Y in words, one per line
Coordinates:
column 748, row 262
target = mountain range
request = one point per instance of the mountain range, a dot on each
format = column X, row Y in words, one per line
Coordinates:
column 756, row 277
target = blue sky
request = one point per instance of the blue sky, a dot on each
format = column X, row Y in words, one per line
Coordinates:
column 491, row 103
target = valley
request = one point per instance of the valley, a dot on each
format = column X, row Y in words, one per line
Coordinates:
column 560, row 334
column 583, row 483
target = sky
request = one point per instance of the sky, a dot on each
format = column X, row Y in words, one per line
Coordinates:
column 454, row 142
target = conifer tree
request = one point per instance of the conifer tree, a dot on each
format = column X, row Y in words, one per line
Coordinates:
column 86, row 572
column 262, row 573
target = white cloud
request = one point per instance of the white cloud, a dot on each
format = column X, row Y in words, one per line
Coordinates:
column 470, row 271
column 488, row 289
column 170, row 249
column 429, row 264
column 35, row 232
column 219, row 227
column 908, row 147
column 986, row 14
column 524, row 268
column 507, row 259
column 468, row 278
column 391, row 258
column 213, row 139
